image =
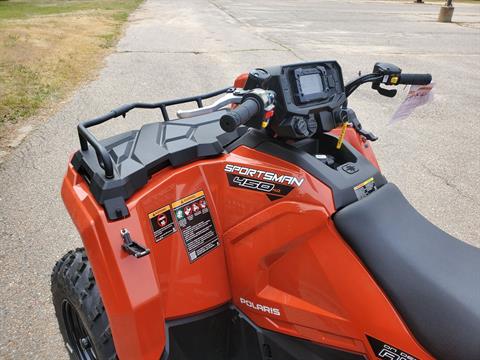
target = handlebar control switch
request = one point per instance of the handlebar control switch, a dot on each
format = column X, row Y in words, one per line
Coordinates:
column 391, row 75
column 386, row 69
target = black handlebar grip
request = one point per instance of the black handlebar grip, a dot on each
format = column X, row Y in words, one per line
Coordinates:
column 240, row 115
column 415, row 79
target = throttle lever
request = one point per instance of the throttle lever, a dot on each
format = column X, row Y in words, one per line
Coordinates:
column 385, row 92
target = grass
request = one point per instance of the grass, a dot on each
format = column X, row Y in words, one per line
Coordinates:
column 47, row 47
column 22, row 9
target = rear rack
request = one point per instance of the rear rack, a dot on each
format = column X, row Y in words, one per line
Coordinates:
column 104, row 159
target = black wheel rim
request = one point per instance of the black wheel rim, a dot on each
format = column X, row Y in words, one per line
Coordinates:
column 80, row 342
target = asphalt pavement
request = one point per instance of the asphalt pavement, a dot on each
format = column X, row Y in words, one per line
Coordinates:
column 176, row 49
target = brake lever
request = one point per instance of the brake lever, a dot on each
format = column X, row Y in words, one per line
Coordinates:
column 234, row 97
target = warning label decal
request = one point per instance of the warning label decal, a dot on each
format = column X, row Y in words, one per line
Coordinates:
column 162, row 223
column 196, row 225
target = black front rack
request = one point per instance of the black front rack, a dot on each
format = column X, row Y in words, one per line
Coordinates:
column 104, row 159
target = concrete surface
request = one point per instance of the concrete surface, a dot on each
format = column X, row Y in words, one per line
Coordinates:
column 195, row 46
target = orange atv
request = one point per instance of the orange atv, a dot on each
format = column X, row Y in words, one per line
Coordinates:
column 258, row 227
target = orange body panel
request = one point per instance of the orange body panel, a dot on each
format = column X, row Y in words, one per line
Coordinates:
column 285, row 254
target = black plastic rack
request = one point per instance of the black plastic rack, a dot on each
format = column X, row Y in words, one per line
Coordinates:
column 104, row 159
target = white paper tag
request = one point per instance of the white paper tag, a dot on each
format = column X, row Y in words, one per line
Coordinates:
column 418, row 95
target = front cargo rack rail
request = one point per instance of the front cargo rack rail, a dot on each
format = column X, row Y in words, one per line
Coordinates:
column 104, row 159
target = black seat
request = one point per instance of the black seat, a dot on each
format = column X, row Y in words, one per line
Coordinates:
column 431, row 278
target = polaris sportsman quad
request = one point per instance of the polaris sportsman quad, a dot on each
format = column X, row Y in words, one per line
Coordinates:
column 258, row 227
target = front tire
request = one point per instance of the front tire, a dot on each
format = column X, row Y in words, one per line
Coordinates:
column 79, row 309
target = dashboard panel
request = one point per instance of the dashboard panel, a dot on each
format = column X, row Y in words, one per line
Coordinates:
column 308, row 95
column 308, row 87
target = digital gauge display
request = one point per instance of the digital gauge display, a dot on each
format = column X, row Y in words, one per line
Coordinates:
column 311, row 84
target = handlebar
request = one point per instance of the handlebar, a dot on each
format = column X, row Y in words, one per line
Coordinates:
column 415, row 79
column 240, row 115
column 387, row 78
